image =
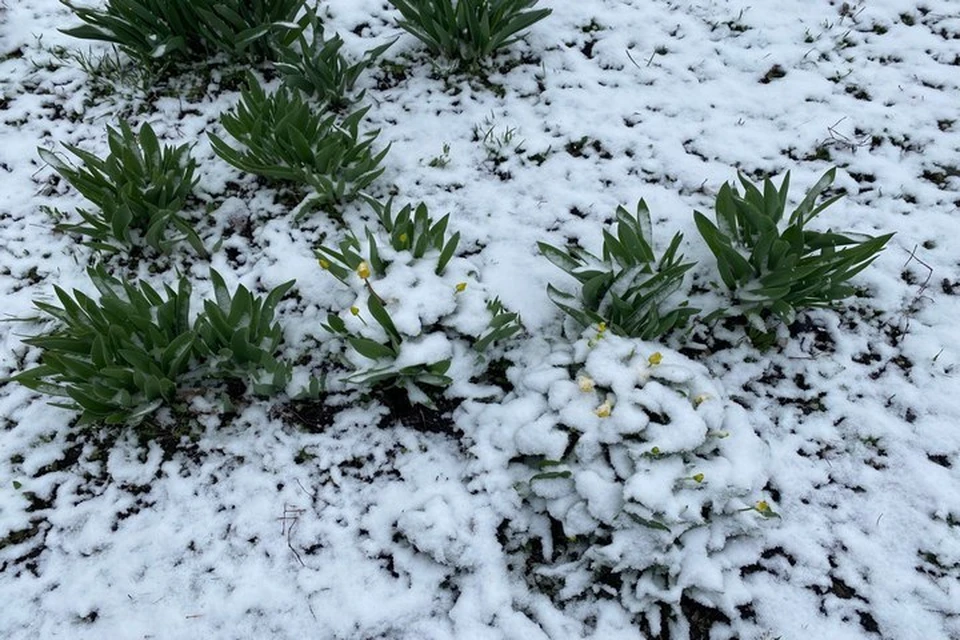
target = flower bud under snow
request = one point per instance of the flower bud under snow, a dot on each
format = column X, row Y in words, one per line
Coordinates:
column 603, row 411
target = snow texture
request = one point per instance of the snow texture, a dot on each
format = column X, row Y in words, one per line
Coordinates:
column 266, row 526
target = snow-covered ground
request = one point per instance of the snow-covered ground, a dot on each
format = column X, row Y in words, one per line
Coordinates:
column 276, row 524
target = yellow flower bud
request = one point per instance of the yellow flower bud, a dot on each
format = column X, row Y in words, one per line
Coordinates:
column 461, row 286
column 655, row 358
column 585, row 383
column 655, row 451
column 698, row 478
column 403, row 239
column 355, row 310
column 324, row 264
column 602, row 327
column 603, row 411
column 700, row 399
column 762, row 506
column 363, row 270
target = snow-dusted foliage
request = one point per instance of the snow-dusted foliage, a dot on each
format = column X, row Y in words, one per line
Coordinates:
column 636, row 477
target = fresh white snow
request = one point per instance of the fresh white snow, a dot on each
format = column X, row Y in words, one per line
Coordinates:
column 265, row 528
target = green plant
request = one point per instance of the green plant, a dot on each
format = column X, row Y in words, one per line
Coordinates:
column 442, row 160
column 118, row 359
column 409, row 377
column 503, row 324
column 317, row 67
column 108, row 72
column 411, row 230
column 775, row 273
column 415, row 231
column 155, row 32
column 467, row 31
column 626, row 288
column 238, row 338
column 438, row 333
column 285, row 139
column 140, row 187
column 497, row 144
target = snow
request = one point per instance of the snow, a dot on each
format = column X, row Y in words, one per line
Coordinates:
column 265, row 525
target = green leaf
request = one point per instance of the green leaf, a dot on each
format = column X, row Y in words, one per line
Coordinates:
column 380, row 314
column 447, row 253
column 371, row 349
column 650, row 524
column 551, row 475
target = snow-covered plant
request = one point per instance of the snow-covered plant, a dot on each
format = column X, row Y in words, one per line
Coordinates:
column 118, row 359
column 637, row 477
column 318, row 68
column 155, row 32
column 389, row 372
column 286, row 139
column 626, row 288
column 412, row 362
column 467, row 31
column 417, row 234
column 441, row 322
column 774, row 273
column 139, row 191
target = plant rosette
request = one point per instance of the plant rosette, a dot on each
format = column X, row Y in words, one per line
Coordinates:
column 634, row 477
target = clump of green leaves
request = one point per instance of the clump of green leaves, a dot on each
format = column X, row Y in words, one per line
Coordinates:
column 139, row 190
column 397, row 358
column 415, row 231
column 118, row 359
column 412, row 230
column 285, row 139
column 238, row 338
column 467, row 31
column 155, row 32
column 626, row 288
column 386, row 351
column 410, row 377
column 318, row 68
column 773, row 273
column 503, row 325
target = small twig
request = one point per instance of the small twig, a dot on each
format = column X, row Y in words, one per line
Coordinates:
column 312, row 494
column 291, row 515
column 912, row 307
